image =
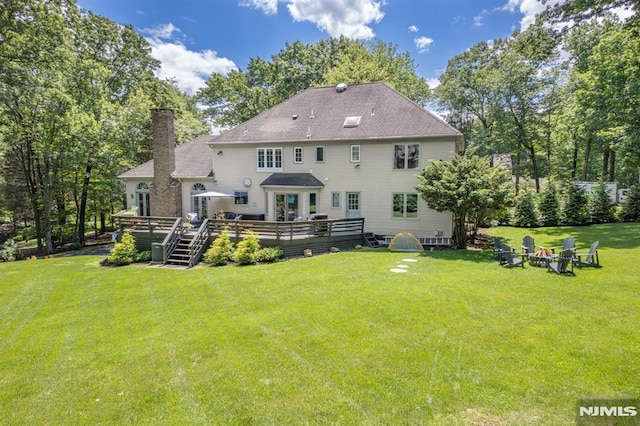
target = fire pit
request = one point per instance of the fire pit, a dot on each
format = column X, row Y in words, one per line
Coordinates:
column 540, row 257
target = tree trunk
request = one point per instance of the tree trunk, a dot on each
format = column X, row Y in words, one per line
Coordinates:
column 459, row 232
column 82, row 214
column 585, row 164
column 574, row 162
column 612, row 166
column 605, row 163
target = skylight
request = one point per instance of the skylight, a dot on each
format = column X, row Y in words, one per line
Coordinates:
column 353, row 121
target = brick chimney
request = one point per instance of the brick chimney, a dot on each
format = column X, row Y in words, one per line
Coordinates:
column 166, row 194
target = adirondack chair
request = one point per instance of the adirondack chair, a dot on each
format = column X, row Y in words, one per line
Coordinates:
column 528, row 245
column 588, row 259
column 568, row 243
column 563, row 264
column 497, row 250
column 512, row 259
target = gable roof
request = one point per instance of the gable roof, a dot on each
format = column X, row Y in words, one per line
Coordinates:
column 320, row 114
column 193, row 160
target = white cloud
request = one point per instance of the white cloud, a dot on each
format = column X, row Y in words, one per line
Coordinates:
column 413, row 29
column 190, row 69
column 529, row 10
column 433, row 83
column 350, row 18
column 423, row 43
column 269, row 7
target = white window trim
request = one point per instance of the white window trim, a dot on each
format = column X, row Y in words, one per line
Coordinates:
column 265, row 168
column 236, row 196
column 339, row 198
column 295, row 149
column 406, row 160
column 404, row 207
column 351, row 152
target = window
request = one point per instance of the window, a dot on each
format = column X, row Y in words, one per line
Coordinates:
column 335, row 200
column 269, row 159
column 240, row 198
column 353, row 121
column 355, row 153
column 297, row 155
column 406, row 156
column 405, row 206
column 320, row 154
column 313, row 203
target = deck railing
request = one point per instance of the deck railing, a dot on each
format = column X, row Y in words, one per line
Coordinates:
column 172, row 239
column 198, row 243
column 288, row 231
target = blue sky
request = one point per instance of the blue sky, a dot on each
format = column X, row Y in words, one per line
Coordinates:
column 194, row 38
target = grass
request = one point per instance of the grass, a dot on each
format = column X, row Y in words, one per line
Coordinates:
column 330, row 339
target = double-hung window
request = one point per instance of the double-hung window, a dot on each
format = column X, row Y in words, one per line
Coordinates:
column 269, row 159
column 406, row 156
column 297, row 155
column 355, row 153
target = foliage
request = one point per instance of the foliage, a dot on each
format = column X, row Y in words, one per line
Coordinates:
column 549, row 206
column 269, row 254
column 468, row 187
column 124, row 252
column 143, row 256
column 240, row 95
column 575, row 210
column 7, row 230
column 525, row 212
column 221, row 250
column 601, row 209
column 630, row 211
column 9, row 251
column 246, row 253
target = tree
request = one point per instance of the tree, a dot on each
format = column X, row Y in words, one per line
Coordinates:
column 524, row 212
column 238, row 96
column 601, row 209
column 630, row 211
column 549, row 206
column 468, row 187
column 575, row 209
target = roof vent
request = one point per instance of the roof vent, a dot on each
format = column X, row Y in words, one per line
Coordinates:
column 341, row 87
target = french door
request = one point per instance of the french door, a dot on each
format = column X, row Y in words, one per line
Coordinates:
column 353, row 205
column 287, row 207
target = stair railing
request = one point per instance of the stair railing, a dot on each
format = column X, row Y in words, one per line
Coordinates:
column 172, row 239
column 198, row 244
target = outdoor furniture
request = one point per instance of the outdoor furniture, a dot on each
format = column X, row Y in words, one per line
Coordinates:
column 512, row 259
column 540, row 258
column 528, row 245
column 497, row 249
column 562, row 264
column 588, row 259
column 569, row 243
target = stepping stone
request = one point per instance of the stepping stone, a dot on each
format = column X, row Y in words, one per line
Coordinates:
column 398, row 270
column 410, row 260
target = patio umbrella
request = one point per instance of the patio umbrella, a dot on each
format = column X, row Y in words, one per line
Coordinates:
column 214, row 194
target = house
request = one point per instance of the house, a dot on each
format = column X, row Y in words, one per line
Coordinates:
column 328, row 152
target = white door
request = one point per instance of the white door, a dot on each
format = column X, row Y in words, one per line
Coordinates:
column 353, row 205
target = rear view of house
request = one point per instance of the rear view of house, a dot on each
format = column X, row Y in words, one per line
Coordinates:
column 326, row 153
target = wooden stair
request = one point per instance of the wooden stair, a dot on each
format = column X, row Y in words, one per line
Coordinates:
column 180, row 255
column 371, row 240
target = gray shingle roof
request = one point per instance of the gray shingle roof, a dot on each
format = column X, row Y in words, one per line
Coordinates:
column 193, row 160
column 320, row 113
column 292, row 179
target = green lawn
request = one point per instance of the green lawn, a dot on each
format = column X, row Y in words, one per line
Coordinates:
column 330, row 339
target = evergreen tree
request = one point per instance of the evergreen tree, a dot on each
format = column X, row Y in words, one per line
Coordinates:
column 575, row 210
column 601, row 209
column 524, row 212
column 630, row 211
column 549, row 206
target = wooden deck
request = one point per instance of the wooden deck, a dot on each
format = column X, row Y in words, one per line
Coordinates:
column 292, row 237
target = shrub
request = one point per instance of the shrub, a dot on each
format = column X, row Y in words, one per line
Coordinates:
column 143, row 256
column 549, row 206
column 524, row 212
column 575, row 210
column 269, row 254
column 221, row 250
column 630, row 211
column 9, row 251
column 124, row 252
column 7, row 231
column 601, row 209
column 247, row 250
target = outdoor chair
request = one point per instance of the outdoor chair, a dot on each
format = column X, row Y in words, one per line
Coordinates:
column 588, row 259
column 512, row 259
column 528, row 245
column 569, row 243
column 497, row 249
column 562, row 264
